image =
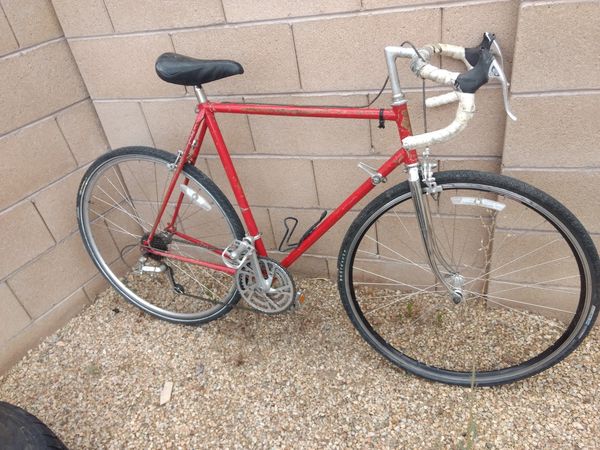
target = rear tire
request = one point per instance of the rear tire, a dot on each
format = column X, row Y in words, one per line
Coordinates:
column 527, row 268
column 118, row 202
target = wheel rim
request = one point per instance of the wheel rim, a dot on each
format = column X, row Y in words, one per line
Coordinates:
column 117, row 208
column 425, row 332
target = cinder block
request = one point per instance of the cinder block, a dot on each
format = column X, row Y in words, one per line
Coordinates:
column 483, row 165
column 33, row 21
column 36, row 83
column 338, row 178
column 347, row 53
column 245, row 10
column 171, row 121
column 517, row 256
column 28, row 237
column 95, row 286
column 45, row 325
column 311, row 136
column 266, row 52
column 32, row 158
column 376, row 4
column 159, row 15
column 381, row 274
column 124, row 124
column 45, row 282
column 464, row 25
column 553, row 50
column 8, row 43
column 270, row 182
column 123, row 66
column 482, row 137
column 571, row 188
column 56, row 204
column 83, row 132
column 263, row 222
column 461, row 239
column 329, row 244
column 307, row 266
column 553, row 131
column 83, row 17
column 14, row 317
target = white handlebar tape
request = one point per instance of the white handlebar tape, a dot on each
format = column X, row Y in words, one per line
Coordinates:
column 428, row 71
column 454, row 52
column 440, row 100
column 464, row 113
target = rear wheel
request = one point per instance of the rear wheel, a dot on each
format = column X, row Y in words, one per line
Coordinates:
column 525, row 266
column 119, row 199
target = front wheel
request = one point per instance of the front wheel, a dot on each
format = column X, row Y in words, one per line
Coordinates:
column 526, row 269
column 119, row 200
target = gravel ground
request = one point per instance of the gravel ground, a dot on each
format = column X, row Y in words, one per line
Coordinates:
column 298, row 380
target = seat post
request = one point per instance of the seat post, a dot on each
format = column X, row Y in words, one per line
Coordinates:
column 200, row 95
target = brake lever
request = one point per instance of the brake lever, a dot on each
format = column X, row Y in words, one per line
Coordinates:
column 495, row 48
column 496, row 71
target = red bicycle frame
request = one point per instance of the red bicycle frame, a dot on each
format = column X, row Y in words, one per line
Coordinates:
column 205, row 119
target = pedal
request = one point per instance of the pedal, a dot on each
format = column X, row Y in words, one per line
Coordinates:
column 236, row 253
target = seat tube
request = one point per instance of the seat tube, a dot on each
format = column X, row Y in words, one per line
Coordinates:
column 234, row 180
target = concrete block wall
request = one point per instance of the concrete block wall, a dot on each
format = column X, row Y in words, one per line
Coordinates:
column 556, row 95
column 66, row 99
column 49, row 133
column 312, row 52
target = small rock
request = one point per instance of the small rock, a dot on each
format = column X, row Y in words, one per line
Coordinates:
column 165, row 394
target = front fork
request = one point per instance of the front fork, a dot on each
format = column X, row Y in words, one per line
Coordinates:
column 451, row 280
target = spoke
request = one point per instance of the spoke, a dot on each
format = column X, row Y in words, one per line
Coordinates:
column 119, row 176
column 191, row 276
column 135, row 178
column 118, row 206
column 408, row 233
column 123, row 230
column 521, row 257
column 397, row 261
column 537, row 285
column 520, row 269
column 205, row 271
column 396, row 253
column 412, row 294
column 504, row 299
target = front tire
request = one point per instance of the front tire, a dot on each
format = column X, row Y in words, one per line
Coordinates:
column 526, row 266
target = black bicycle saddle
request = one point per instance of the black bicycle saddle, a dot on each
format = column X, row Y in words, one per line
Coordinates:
column 180, row 69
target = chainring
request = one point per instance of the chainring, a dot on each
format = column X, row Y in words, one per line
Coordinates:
column 281, row 295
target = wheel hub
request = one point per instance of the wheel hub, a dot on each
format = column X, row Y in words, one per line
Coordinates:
column 457, row 282
column 160, row 242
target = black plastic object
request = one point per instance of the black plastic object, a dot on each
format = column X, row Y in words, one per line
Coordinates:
column 290, row 223
column 20, row 430
column 473, row 79
column 472, row 54
column 289, row 230
column 180, row 69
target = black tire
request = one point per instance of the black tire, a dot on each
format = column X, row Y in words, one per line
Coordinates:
column 140, row 175
column 560, row 328
column 21, row 430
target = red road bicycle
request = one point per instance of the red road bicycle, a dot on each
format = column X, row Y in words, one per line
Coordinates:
column 449, row 275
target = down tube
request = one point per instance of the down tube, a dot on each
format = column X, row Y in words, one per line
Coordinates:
column 398, row 158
